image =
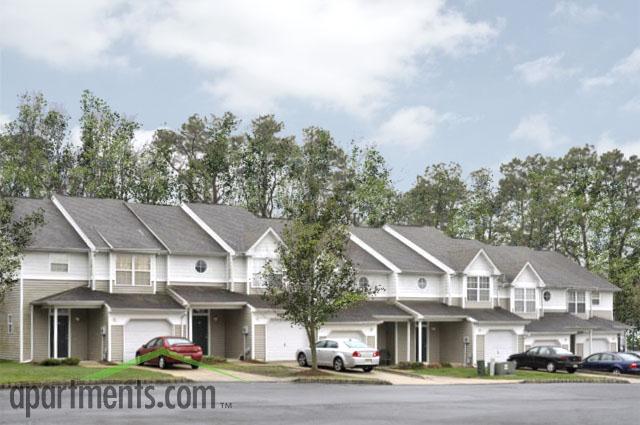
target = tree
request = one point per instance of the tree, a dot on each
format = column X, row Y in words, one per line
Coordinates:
column 481, row 206
column 266, row 167
column 35, row 158
column 375, row 198
column 154, row 184
column 106, row 162
column 15, row 235
column 437, row 198
column 313, row 278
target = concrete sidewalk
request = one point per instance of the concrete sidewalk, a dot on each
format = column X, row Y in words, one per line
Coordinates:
column 204, row 374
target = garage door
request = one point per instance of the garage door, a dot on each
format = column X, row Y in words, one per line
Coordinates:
column 549, row 342
column 283, row 340
column 599, row 345
column 499, row 345
column 348, row 335
column 138, row 332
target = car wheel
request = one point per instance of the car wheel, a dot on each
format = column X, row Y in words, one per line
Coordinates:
column 616, row 371
column 551, row 367
column 367, row 369
column 302, row 360
column 194, row 366
column 571, row 370
column 515, row 364
column 138, row 355
column 338, row 364
column 162, row 363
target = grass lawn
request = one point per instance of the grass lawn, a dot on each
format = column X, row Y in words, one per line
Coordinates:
column 14, row 373
column 527, row 375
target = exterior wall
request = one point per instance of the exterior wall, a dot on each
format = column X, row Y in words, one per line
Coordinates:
column 504, row 303
column 433, row 343
column 240, row 269
column 10, row 343
column 386, row 341
column 457, row 302
column 408, row 286
column 183, row 269
column 402, row 336
column 161, row 287
column 548, row 339
column 118, row 289
column 260, row 342
column 217, row 333
column 479, row 347
column 605, row 308
column 161, row 268
column 78, row 325
column 451, row 336
column 102, row 285
column 96, row 321
column 233, row 334
column 382, row 280
column 456, row 287
column 35, row 265
column 117, row 343
column 240, row 287
column 480, row 266
column 412, row 342
column 558, row 301
column 101, row 266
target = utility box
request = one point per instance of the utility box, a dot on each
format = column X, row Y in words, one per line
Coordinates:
column 482, row 368
column 505, row 368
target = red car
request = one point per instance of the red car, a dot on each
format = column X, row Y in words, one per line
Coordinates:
column 181, row 346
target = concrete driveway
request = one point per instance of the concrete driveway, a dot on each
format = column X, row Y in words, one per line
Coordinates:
column 211, row 374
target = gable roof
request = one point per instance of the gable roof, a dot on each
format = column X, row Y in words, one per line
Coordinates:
column 203, row 295
column 370, row 311
column 83, row 295
column 435, row 310
column 108, row 223
column 55, row 233
column 364, row 261
column 176, row 229
column 395, row 251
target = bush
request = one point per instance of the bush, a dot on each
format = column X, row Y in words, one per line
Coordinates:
column 71, row 361
column 410, row 365
column 213, row 360
column 446, row 364
column 51, row 362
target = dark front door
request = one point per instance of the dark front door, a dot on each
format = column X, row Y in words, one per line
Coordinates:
column 63, row 336
column 572, row 344
column 201, row 332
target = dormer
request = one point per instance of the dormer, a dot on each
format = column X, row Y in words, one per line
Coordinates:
column 526, row 294
column 479, row 282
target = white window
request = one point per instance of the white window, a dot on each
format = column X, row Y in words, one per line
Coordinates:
column 422, row 283
column 595, row 298
column 576, row 302
column 525, row 300
column 133, row 270
column 9, row 324
column 478, row 288
column 59, row 263
column 363, row 282
column 201, row 266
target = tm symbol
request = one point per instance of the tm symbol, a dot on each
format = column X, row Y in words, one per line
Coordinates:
column 225, row 405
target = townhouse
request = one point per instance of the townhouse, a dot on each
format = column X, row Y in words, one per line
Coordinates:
column 101, row 277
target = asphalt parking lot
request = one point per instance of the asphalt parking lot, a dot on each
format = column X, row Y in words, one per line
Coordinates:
column 283, row 403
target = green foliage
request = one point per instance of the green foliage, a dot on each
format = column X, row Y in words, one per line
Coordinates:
column 51, row 362
column 70, row 361
column 213, row 360
column 15, row 235
column 410, row 365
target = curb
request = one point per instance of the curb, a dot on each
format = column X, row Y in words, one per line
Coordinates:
column 340, row 381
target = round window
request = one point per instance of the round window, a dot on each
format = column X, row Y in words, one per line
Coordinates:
column 363, row 282
column 201, row 266
column 546, row 295
column 422, row 283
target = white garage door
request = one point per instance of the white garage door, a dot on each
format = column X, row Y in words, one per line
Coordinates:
column 548, row 342
column 599, row 345
column 348, row 335
column 283, row 340
column 139, row 332
column 499, row 345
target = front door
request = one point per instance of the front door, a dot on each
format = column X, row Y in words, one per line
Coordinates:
column 572, row 343
column 201, row 332
column 63, row 336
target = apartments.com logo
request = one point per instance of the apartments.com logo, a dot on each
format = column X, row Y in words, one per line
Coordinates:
column 87, row 395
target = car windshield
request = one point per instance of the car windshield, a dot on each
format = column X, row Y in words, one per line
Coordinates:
column 629, row 357
column 177, row 341
column 355, row 344
column 563, row 352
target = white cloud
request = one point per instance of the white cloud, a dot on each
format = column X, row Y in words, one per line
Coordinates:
column 543, row 69
column 607, row 143
column 4, row 120
column 537, row 129
column 578, row 12
column 140, row 137
column 409, row 128
column 347, row 55
column 626, row 69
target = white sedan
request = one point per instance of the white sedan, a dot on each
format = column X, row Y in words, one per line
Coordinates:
column 341, row 354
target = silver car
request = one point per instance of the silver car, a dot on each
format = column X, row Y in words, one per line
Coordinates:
column 341, row 354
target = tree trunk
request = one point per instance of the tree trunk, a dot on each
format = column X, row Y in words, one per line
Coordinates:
column 311, row 335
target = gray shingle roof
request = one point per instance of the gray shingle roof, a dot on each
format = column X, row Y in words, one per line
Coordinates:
column 212, row 295
column 436, row 309
column 560, row 322
column 370, row 311
column 362, row 260
column 115, row 301
column 109, row 222
column 176, row 229
column 395, row 251
column 55, row 232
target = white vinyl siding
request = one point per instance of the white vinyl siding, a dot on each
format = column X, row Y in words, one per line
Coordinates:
column 59, row 263
column 9, row 324
column 133, row 270
column 37, row 266
column 478, row 288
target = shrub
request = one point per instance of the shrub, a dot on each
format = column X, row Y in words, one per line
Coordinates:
column 446, row 364
column 213, row 359
column 71, row 361
column 410, row 365
column 51, row 362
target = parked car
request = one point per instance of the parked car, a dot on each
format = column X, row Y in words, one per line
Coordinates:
column 635, row 353
column 341, row 354
column 616, row 363
column 181, row 346
column 548, row 358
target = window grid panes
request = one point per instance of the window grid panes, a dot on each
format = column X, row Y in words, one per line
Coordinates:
column 478, row 288
column 524, row 300
column 595, row 298
column 133, row 270
column 576, row 302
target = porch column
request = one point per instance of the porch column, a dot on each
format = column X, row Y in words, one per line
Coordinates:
column 590, row 341
column 55, row 332
column 190, row 324
column 420, row 359
column 428, row 340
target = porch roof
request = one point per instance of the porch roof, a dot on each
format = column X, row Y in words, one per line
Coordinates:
column 371, row 311
column 204, row 296
column 567, row 322
column 84, row 297
column 432, row 310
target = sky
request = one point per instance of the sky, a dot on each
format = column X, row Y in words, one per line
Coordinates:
column 425, row 81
